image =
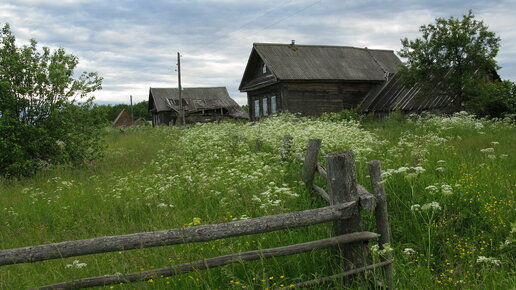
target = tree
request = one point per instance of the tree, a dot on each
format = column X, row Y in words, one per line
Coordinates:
column 45, row 116
column 456, row 52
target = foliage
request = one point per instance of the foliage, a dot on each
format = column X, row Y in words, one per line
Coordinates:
column 45, row 116
column 458, row 169
column 344, row 115
column 495, row 100
column 456, row 52
column 110, row 112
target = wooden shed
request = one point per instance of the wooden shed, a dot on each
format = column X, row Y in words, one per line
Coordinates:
column 123, row 119
column 312, row 79
column 200, row 105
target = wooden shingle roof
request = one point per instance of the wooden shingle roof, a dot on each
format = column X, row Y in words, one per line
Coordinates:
column 322, row 63
column 393, row 95
column 194, row 100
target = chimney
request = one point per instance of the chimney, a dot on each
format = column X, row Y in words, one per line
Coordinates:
column 293, row 46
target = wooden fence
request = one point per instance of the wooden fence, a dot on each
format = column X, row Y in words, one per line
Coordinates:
column 345, row 197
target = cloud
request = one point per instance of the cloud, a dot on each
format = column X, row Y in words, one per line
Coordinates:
column 133, row 44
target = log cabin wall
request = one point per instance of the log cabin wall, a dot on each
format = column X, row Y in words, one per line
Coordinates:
column 307, row 99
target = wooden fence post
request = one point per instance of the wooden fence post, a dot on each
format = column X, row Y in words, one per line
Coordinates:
column 287, row 147
column 342, row 185
column 381, row 215
column 310, row 163
column 258, row 145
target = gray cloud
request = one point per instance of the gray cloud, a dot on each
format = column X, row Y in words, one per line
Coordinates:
column 133, row 44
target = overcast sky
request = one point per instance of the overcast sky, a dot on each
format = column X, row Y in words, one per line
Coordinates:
column 133, row 44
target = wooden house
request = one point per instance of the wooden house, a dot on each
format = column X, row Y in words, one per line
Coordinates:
column 312, row 79
column 123, row 119
column 199, row 104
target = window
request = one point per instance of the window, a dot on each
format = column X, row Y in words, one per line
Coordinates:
column 273, row 106
column 257, row 108
column 264, row 69
column 265, row 105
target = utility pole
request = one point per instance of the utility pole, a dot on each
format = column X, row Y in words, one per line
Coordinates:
column 132, row 114
column 181, row 109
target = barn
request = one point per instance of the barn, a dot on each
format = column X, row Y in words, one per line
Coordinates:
column 123, row 119
column 313, row 79
column 200, row 105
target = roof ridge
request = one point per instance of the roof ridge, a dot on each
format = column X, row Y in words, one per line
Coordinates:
column 321, row 45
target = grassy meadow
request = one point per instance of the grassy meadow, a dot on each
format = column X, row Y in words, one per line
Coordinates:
column 450, row 183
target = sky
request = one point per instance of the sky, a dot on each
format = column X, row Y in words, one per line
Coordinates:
column 133, row 44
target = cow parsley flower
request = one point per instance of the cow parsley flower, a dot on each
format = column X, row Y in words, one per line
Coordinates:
column 409, row 251
column 76, row 264
column 434, row 205
column 487, row 150
column 488, row 260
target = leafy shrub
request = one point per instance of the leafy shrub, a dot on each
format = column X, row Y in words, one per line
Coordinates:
column 45, row 115
column 495, row 100
column 344, row 115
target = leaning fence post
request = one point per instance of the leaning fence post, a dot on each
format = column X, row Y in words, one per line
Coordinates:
column 310, row 163
column 258, row 145
column 287, row 147
column 381, row 215
column 342, row 185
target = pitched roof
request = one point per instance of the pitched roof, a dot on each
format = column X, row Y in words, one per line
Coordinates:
column 123, row 114
column 194, row 100
column 318, row 62
column 392, row 95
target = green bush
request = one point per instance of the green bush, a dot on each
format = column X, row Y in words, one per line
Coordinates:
column 45, row 113
column 495, row 100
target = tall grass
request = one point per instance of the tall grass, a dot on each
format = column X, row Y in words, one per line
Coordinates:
column 450, row 185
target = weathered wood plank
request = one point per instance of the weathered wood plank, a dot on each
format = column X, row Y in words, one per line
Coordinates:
column 321, row 192
column 202, row 233
column 310, row 162
column 342, row 185
column 367, row 200
column 286, row 151
column 258, row 144
column 214, row 262
column 338, row 276
column 381, row 214
column 322, row 171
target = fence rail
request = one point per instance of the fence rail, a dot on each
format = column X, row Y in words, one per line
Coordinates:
column 215, row 262
column 344, row 195
column 202, row 233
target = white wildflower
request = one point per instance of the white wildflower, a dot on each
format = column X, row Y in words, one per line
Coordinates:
column 409, row 251
column 487, row 150
column 434, row 205
column 446, row 189
column 441, row 161
column 432, row 189
column 491, row 156
column 495, row 143
column 488, row 260
column 76, row 264
column 440, row 169
column 415, row 207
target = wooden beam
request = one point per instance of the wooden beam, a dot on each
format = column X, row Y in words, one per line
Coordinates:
column 342, row 186
column 310, row 162
column 367, row 200
column 213, row 262
column 322, row 171
column 321, row 192
column 338, row 276
column 381, row 214
column 202, row 233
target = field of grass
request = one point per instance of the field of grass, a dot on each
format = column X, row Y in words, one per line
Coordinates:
column 450, row 183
